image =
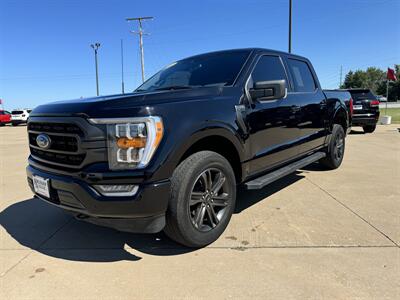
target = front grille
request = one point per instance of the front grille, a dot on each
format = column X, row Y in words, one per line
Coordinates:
column 64, row 147
column 58, row 142
column 55, row 128
column 65, row 159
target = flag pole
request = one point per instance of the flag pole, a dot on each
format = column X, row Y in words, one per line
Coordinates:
column 387, row 95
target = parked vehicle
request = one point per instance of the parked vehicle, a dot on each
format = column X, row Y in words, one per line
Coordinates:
column 20, row 116
column 5, row 117
column 170, row 155
column 381, row 98
column 366, row 109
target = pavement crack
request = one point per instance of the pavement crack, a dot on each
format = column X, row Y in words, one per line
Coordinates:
column 36, row 248
column 54, row 233
column 16, row 264
column 352, row 211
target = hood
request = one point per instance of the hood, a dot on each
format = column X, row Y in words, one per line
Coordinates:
column 122, row 105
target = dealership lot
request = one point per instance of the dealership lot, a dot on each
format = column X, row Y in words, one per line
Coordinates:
column 314, row 234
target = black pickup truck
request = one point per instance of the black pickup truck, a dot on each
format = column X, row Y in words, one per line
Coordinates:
column 170, row 155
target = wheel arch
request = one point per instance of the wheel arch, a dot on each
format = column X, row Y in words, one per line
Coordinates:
column 340, row 117
column 219, row 140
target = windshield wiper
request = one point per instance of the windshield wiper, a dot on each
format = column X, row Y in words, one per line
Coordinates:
column 173, row 87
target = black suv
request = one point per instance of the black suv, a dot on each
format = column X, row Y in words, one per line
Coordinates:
column 170, row 155
column 366, row 109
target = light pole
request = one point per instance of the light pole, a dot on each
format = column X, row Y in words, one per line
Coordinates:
column 290, row 26
column 122, row 66
column 96, row 47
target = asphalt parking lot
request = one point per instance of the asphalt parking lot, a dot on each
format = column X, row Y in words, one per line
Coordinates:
column 314, row 234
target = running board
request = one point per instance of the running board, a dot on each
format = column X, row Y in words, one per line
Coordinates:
column 264, row 180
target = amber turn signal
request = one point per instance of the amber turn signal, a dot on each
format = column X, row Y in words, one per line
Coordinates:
column 137, row 142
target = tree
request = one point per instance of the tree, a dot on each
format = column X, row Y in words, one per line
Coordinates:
column 374, row 79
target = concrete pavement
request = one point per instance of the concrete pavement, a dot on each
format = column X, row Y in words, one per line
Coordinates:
column 314, row 234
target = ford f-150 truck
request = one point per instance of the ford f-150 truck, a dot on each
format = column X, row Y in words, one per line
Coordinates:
column 170, row 155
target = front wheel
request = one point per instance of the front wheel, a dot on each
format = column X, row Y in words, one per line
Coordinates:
column 335, row 150
column 202, row 199
column 369, row 128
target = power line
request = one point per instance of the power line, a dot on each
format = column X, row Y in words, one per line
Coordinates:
column 140, row 33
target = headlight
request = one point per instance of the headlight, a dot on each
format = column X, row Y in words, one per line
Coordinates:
column 131, row 142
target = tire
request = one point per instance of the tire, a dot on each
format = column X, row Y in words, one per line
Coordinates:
column 369, row 128
column 190, row 203
column 335, row 150
column 14, row 124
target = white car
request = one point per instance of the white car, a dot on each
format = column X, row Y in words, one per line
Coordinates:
column 20, row 116
column 381, row 98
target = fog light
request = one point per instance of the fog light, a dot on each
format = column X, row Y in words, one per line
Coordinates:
column 117, row 190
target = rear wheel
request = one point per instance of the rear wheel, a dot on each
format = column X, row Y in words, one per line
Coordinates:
column 335, row 150
column 202, row 200
column 369, row 128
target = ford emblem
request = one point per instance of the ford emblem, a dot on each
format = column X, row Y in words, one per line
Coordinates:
column 43, row 141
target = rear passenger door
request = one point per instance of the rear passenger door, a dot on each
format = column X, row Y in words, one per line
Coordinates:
column 308, row 94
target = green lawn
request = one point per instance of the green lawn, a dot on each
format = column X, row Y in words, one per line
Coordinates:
column 394, row 112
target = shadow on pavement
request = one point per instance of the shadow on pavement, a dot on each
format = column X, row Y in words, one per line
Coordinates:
column 48, row 230
column 247, row 198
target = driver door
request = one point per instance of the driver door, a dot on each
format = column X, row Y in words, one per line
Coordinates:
column 273, row 124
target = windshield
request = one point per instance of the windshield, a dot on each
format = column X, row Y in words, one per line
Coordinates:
column 213, row 69
column 362, row 95
column 17, row 112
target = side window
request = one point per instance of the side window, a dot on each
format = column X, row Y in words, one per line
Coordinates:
column 268, row 68
column 303, row 79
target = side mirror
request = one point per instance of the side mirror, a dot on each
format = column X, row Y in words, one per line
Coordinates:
column 268, row 90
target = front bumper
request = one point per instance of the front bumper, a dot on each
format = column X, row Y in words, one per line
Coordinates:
column 144, row 212
column 19, row 121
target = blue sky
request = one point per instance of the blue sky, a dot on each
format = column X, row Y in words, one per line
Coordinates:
column 45, row 53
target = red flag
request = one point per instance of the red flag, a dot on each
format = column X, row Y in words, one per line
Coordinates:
column 391, row 75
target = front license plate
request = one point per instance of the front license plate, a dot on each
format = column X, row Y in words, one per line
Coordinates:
column 41, row 186
column 357, row 107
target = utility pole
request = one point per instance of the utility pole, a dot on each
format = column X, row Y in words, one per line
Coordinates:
column 341, row 74
column 290, row 26
column 140, row 33
column 96, row 47
column 122, row 66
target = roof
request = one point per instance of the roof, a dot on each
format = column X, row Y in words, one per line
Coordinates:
column 250, row 50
